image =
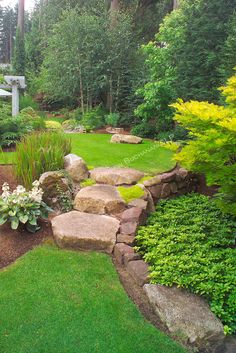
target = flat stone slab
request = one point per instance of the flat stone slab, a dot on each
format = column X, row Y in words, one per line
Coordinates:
column 185, row 314
column 99, row 199
column 116, row 176
column 84, row 231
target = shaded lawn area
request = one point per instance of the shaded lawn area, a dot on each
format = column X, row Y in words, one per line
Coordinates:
column 54, row 301
column 97, row 151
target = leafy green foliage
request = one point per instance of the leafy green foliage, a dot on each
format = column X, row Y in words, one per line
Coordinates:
column 12, row 129
column 190, row 243
column 27, row 101
column 94, row 118
column 113, row 119
column 193, row 53
column 39, row 153
column 131, row 193
column 213, row 148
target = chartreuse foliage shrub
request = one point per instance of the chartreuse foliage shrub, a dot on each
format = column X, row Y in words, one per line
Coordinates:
column 38, row 153
column 53, row 125
column 190, row 243
column 212, row 151
column 131, row 193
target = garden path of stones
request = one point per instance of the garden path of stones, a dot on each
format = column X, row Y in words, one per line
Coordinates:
column 102, row 221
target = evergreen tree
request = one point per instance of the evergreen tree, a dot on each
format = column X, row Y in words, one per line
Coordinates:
column 19, row 54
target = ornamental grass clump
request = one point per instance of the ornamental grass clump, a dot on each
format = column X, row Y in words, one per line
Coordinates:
column 23, row 207
column 40, row 153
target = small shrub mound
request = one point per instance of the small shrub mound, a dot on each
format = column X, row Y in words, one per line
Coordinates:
column 190, row 243
column 131, row 193
column 39, row 153
column 53, row 125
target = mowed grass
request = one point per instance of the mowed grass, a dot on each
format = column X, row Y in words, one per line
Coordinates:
column 97, row 151
column 59, row 301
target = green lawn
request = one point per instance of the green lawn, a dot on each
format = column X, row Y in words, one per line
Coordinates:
column 58, row 301
column 97, row 151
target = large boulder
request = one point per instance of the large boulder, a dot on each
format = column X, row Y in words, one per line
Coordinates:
column 76, row 167
column 85, row 231
column 119, row 138
column 99, row 199
column 185, row 314
column 116, row 176
column 54, row 185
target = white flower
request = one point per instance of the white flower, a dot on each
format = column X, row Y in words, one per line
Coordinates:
column 19, row 190
column 36, row 183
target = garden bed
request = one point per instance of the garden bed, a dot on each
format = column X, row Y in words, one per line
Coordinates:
column 15, row 243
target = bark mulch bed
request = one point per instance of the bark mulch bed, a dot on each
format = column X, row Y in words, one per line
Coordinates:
column 14, row 244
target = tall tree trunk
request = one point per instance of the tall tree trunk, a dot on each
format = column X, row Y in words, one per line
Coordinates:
column 114, row 8
column 21, row 17
column 175, row 4
column 115, row 5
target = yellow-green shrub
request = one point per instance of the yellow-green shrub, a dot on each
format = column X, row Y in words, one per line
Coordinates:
column 212, row 151
column 53, row 125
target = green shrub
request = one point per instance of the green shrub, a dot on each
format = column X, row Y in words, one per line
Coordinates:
column 112, row 119
column 72, row 125
column 129, row 194
column 190, row 243
column 94, row 118
column 28, row 101
column 38, row 153
column 143, row 130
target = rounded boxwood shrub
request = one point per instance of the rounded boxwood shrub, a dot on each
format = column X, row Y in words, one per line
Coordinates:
column 190, row 243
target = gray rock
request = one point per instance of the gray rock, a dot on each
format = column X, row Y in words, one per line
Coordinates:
column 115, row 130
column 76, row 167
column 54, row 184
column 124, row 238
column 139, row 203
column 119, row 138
column 129, row 228
column 139, row 271
column 153, row 181
column 116, row 176
column 134, row 214
column 85, row 231
column 186, row 315
column 99, row 199
column 120, row 250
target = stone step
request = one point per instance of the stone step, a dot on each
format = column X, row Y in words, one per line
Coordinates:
column 116, row 176
column 85, row 231
column 99, row 199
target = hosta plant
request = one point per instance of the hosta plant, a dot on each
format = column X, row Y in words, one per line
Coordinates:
column 23, row 207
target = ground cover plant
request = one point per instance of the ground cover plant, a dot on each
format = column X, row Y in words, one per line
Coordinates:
column 97, row 151
column 55, row 300
column 190, row 243
column 39, row 153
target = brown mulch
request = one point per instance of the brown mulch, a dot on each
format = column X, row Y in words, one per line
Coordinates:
column 15, row 243
column 7, row 175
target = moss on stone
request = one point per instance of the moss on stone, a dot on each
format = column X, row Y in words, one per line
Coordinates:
column 87, row 182
column 130, row 193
